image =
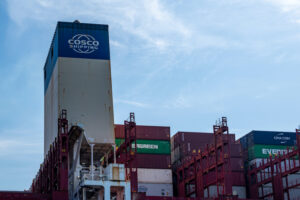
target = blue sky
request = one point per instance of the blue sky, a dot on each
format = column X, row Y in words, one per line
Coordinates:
column 180, row 63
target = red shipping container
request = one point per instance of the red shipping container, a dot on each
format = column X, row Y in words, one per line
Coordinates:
column 237, row 164
column 238, row 178
column 236, row 150
column 196, row 138
column 184, row 144
column 152, row 161
column 146, row 132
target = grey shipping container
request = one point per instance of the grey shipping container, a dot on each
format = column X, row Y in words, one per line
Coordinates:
column 154, row 175
column 291, row 179
column 294, row 193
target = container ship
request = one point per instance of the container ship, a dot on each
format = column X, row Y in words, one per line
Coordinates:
column 87, row 156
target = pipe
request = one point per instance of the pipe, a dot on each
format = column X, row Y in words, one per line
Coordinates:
column 83, row 194
column 92, row 161
column 115, row 156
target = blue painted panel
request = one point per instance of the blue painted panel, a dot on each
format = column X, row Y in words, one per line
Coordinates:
column 79, row 40
column 51, row 60
column 272, row 138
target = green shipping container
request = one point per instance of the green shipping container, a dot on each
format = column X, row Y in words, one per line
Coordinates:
column 264, row 151
column 149, row 146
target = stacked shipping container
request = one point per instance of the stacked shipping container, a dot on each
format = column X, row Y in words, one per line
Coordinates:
column 187, row 144
column 153, row 159
column 258, row 146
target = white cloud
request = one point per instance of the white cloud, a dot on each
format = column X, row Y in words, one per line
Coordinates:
column 133, row 103
column 150, row 20
column 286, row 5
column 289, row 7
column 180, row 101
column 116, row 43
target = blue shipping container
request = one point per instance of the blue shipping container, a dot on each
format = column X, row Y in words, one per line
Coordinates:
column 244, row 142
column 271, row 138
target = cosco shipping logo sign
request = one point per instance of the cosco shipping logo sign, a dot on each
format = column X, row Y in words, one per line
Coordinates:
column 83, row 43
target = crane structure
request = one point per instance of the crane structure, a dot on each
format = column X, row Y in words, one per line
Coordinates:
column 61, row 177
column 52, row 177
column 126, row 154
column 210, row 168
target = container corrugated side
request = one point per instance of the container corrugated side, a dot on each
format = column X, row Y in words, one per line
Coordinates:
column 288, row 164
column 149, row 146
column 212, row 191
column 291, row 179
column 155, row 161
column 238, row 178
column 237, row 164
column 146, row 132
column 294, row 193
column 264, row 151
column 156, row 189
column 257, row 162
column 244, row 142
column 154, row 175
column 236, row 150
column 196, row 139
column 265, row 190
column 175, row 155
column 271, row 138
column 184, row 150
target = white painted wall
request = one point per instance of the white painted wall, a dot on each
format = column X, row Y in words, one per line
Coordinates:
column 82, row 87
column 154, row 175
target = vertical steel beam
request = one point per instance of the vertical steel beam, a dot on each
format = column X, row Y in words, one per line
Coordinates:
column 84, row 194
